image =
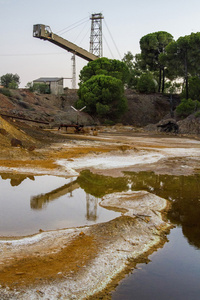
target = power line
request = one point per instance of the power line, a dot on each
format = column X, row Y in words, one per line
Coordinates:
column 30, row 54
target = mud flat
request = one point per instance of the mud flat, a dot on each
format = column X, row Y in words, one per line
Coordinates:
column 77, row 263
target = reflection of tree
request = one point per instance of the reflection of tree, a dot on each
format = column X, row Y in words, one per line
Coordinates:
column 182, row 191
column 16, row 179
column 99, row 185
column 39, row 202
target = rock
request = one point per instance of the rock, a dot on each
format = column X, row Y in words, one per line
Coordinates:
column 168, row 125
column 3, row 131
column 16, row 143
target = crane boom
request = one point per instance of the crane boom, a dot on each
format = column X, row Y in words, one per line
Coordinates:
column 44, row 32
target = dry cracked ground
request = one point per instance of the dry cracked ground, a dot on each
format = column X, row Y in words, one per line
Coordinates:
column 87, row 262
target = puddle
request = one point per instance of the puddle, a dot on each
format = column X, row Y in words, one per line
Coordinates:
column 173, row 271
column 184, row 194
column 31, row 203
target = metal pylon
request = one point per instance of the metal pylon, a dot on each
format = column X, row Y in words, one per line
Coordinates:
column 73, row 71
column 96, row 47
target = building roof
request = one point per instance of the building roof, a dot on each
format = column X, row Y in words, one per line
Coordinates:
column 48, row 79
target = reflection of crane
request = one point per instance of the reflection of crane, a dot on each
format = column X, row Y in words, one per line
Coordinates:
column 38, row 202
column 44, row 32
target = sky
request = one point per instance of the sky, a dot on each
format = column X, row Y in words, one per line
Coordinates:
column 125, row 23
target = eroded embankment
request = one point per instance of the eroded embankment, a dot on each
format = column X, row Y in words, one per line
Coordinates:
column 79, row 262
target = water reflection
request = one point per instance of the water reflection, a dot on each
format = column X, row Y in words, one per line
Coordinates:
column 59, row 202
column 184, row 194
column 99, row 185
column 41, row 201
column 16, row 179
column 29, row 204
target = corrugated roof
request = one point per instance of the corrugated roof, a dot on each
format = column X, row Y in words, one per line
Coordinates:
column 48, row 79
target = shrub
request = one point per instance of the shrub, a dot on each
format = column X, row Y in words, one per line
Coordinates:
column 5, row 92
column 197, row 115
column 187, row 107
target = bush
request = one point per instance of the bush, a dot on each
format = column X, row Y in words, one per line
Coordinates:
column 41, row 88
column 6, row 92
column 187, row 107
column 146, row 84
column 197, row 115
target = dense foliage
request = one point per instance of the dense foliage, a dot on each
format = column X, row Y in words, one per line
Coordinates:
column 182, row 59
column 103, row 96
column 146, row 83
column 10, row 81
column 105, row 66
column 152, row 45
column 187, row 107
column 101, row 88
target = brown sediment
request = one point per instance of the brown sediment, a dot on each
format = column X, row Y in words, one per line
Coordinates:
column 36, row 268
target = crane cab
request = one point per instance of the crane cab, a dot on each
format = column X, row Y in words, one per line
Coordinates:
column 42, row 31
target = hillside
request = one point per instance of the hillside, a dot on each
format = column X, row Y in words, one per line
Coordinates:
column 142, row 109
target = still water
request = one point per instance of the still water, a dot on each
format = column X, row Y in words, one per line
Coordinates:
column 174, row 271
column 30, row 203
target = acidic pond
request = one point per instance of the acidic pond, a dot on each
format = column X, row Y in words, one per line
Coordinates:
column 173, row 272
column 32, row 203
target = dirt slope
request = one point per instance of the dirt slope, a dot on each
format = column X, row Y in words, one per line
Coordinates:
column 142, row 109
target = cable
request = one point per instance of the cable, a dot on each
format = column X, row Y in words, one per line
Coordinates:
column 81, row 32
column 30, row 54
column 112, row 39
column 108, row 47
column 67, row 28
column 84, row 36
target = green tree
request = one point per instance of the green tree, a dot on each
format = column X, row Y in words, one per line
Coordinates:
column 134, row 66
column 103, row 96
column 182, row 58
column 193, row 88
column 152, row 45
column 105, row 66
column 10, row 80
column 146, row 83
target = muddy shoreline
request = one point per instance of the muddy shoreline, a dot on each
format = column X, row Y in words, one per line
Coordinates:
column 87, row 262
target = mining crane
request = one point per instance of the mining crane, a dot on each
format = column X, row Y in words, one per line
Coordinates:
column 44, row 32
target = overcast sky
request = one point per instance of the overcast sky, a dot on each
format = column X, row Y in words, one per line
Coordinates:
column 125, row 22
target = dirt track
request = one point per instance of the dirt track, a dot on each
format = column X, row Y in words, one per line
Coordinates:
column 80, row 262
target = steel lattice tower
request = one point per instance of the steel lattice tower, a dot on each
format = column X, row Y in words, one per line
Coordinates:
column 96, row 47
